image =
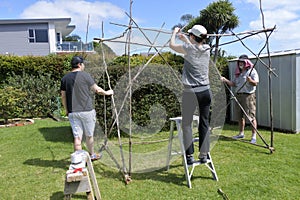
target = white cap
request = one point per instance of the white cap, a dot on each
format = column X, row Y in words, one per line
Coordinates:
column 198, row 30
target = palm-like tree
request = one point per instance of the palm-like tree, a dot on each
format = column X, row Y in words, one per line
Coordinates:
column 218, row 18
column 186, row 19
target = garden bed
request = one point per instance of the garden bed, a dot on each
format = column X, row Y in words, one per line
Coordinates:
column 16, row 122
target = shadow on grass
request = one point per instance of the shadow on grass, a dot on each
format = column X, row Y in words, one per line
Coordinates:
column 161, row 175
column 60, row 195
column 57, row 195
column 63, row 163
column 57, row 134
column 245, row 141
column 53, row 134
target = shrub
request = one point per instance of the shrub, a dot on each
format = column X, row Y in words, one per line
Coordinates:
column 41, row 92
column 10, row 102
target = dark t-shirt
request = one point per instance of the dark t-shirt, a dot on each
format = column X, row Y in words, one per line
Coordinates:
column 78, row 91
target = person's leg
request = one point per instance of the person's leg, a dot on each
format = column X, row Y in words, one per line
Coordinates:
column 77, row 144
column 188, row 108
column 89, row 122
column 90, row 144
column 251, row 102
column 204, row 101
column 240, row 115
column 254, row 128
column 242, row 125
column 77, row 130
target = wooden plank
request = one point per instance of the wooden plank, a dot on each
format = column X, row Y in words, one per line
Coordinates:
column 93, row 177
column 79, row 186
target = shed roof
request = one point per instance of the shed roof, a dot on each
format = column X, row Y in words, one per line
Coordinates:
column 274, row 53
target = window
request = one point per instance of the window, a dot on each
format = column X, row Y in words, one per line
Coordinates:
column 38, row 35
column 31, row 35
column 58, row 38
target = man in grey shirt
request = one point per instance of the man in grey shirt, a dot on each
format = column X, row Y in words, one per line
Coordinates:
column 76, row 96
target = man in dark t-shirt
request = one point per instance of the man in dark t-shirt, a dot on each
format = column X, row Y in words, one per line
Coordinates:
column 77, row 100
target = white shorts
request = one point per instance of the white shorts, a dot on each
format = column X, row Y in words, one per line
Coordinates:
column 83, row 122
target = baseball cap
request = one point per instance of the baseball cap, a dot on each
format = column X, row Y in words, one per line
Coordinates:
column 198, row 30
column 75, row 60
column 243, row 57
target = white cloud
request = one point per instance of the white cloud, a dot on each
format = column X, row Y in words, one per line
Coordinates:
column 78, row 10
column 271, row 4
column 272, row 18
column 285, row 14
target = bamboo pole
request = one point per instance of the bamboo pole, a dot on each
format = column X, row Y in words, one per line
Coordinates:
column 270, row 78
column 130, row 93
column 123, row 168
column 250, row 32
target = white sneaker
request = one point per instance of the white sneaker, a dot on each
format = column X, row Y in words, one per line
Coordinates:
column 239, row 136
column 253, row 141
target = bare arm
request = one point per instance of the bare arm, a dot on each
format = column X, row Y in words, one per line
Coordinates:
column 177, row 47
column 228, row 82
column 99, row 90
column 251, row 81
column 64, row 100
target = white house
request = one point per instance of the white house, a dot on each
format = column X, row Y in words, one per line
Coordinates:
column 36, row 36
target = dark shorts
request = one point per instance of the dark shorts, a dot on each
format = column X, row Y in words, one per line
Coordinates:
column 248, row 102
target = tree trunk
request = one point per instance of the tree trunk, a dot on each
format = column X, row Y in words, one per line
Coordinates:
column 216, row 49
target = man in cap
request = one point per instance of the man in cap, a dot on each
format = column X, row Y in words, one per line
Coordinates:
column 76, row 96
column 245, row 80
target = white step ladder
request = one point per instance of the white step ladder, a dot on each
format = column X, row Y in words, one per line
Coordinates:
column 172, row 152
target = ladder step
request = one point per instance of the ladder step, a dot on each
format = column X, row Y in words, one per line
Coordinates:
column 188, row 172
column 197, row 162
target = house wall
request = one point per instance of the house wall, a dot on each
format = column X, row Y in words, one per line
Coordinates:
column 52, row 38
column 285, row 92
column 14, row 40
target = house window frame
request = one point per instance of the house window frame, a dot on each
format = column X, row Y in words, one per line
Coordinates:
column 34, row 35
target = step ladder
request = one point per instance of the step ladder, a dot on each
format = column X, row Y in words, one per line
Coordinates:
column 83, row 182
column 188, row 169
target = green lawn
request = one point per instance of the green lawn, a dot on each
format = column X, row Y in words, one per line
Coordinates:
column 34, row 159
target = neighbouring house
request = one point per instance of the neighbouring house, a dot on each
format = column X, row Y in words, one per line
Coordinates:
column 283, row 87
column 38, row 37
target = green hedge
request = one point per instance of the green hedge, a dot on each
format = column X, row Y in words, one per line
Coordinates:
column 156, row 86
column 154, row 93
column 37, row 77
column 34, row 65
column 40, row 93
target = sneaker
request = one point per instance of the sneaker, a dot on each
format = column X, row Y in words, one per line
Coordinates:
column 239, row 136
column 253, row 141
column 190, row 159
column 95, row 156
column 203, row 158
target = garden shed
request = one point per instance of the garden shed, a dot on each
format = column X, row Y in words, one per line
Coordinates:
column 285, row 91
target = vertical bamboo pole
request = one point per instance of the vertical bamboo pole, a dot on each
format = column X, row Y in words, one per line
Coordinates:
column 270, row 80
column 130, row 89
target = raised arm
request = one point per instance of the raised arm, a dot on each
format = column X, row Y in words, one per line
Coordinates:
column 178, row 47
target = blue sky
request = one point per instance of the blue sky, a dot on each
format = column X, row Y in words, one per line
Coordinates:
column 284, row 14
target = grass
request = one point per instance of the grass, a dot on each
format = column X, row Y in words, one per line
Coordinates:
column 34, row 159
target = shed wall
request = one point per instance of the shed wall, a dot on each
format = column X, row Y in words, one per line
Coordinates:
column 285, row 92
